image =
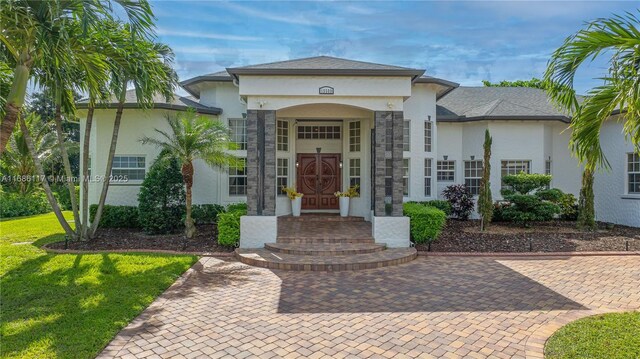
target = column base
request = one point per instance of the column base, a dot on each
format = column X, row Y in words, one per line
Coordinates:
column 394, row 231
column 255, row 231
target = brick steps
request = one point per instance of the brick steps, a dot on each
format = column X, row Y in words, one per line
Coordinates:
column 325, row 240
column 267, row 259
column 337, row 249
column 320, row 217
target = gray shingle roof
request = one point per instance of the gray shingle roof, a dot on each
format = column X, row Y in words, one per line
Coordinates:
column 176, row 103
column 323, row 63
column 497, row 103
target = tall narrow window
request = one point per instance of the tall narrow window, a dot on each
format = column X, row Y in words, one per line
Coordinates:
column 633, row 173
column 547, row 167
column 388, row 177
column 283, row 136
column 473, row 176
column 427, row 177
column 513, row 167
column 354, row 136
column 405, row 176
column 406, row 136
column 238, row 180
column 427, row 136
column 354, row 172
column 446, row 171
column 238, row 127
column 128, row 168
column 282, row 175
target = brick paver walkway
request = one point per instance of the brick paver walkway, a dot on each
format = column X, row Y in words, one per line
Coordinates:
column 432, row 307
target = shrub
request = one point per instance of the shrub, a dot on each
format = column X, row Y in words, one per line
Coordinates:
column 229, row 226
column 568, row 207
column 161, row 202
column 233, row 207
column 460, row 199
column 426, row 222
column 440, row 204
column 498, row 209
column 206, row 213
column 116, row 216
column 528, row 198
column 16, row 205
column 62, row 194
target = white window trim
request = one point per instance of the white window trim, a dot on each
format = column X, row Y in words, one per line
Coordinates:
column 430, row 177
column 408, row 176
column 359, row 144
column 407, row 140
column 288, row 142
column 246, row 143
column 627, row 194
column 128, row 182
column 464, row 174
column 236, row 196
column 429, row 124
column 454, row 171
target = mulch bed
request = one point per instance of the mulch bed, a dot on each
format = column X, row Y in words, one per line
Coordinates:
column 205, row 240
column 556, row 236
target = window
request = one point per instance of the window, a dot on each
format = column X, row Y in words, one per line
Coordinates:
column 446, row 171
column 354, row 172
column 633, row 173
column 406, row 136
column 238, row 180
column 354, row 136
column 319, row 132
column 238, row 127
column 427, row 136
column 427, row 177
column 282, row 175
column 514, row 167
column 127, row 168
column 405, row 176
column 473, row 176
column 547, row 168
column 282, row 134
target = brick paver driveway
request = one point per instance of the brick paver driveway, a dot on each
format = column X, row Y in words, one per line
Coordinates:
column 431, row 307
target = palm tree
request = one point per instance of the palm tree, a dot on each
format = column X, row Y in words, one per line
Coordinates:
column 147, row 66
column 194, row 137
column 16, row 160
column 619, row 39
column 35, row 33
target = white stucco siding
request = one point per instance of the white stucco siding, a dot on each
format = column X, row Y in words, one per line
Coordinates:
column 270, row 85
column 566, row 171
column 450, row 144
column 134, row 125
column 418, row 109
column 613, row 203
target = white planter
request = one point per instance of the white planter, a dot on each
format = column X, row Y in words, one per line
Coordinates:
column 296, row 206
column 344, row 206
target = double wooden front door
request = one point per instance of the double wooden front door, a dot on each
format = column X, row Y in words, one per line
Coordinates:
column 318, row 178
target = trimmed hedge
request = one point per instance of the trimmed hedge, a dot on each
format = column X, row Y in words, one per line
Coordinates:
column 206, row 213
column 229, row 224
column 116, row 216
column 426, row 222
column 440, row 204
column 16, row 205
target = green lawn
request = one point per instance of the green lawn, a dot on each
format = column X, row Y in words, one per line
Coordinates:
column 71, row 306
column 615, row 335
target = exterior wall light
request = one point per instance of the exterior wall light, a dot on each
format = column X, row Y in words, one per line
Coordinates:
column 340, row 164
column 445, row 157
column 297, row 164
column 473, row 158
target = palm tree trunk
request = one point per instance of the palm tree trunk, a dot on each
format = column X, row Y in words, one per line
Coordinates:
column 85, row 173
column 15, row 100
column 67, row 168
column 187, row 175
column 45, row 183
column 112, row 151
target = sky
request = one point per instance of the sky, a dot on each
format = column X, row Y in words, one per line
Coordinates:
column 464, row 42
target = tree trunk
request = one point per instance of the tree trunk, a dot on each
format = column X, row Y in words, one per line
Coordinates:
column 586, row 210
column 67, row 169
column 85, row 173
column 187, row 175
column 112, row 151
column 45, row 183
column 15, row 99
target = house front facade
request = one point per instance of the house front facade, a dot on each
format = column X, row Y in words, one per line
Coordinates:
column 323, row 124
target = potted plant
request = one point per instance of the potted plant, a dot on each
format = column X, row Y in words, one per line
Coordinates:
column 344, row 197
column 296, row 200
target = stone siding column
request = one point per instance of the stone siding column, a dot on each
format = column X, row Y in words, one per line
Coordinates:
column 397, row 160
column 381, row 120
column 261, row 163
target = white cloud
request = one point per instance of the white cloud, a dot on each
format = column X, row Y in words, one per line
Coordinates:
column 261, row 14
column 206, row 35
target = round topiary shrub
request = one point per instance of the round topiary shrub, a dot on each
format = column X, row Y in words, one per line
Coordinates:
column 161, row 201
